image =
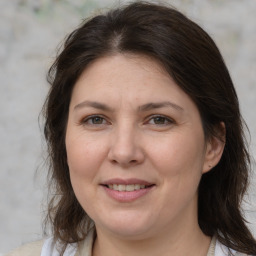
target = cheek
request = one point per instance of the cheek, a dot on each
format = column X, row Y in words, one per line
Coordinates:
column 84, row 156
column 179, row 162
column 179, row 153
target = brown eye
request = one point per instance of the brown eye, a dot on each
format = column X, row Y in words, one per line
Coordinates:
column 97, row 120
column 160, row 120
column 94, row 120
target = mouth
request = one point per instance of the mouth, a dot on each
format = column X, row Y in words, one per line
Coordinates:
column 127, row 190
column 127, row 187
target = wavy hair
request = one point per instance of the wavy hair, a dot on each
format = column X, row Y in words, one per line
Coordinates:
column 193, row 60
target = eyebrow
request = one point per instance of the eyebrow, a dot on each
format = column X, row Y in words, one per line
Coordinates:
column 142, row 108
column 93, row 104
column 150, row 106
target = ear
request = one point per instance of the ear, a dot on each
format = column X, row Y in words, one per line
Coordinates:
column 214, row 148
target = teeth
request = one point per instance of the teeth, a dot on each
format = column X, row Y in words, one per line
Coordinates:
column 129, row 188
column 137, row 187
column 121, row 187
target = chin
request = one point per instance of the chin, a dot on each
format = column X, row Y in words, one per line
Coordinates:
column 129, row 233
column 127, row 228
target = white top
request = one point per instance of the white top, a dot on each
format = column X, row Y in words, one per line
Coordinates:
column 71, row 250
column 222, row 250
column 49, row 250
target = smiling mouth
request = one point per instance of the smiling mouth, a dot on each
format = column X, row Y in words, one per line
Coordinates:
column 127, row 188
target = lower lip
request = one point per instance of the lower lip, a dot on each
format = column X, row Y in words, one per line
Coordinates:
column 127, row 196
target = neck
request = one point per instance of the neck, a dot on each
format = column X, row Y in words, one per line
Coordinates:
column 178, row 237
column 189, row 241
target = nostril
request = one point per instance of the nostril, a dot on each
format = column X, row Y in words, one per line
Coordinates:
column 123, row 163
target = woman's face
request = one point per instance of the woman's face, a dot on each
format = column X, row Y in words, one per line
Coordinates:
column 136, row 148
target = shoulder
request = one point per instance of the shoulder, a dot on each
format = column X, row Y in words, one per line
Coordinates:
column 222, row 250
column 30, row 249
column 45, row 247
column 48, row 247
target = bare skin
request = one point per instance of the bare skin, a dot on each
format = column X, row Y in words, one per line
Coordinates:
column 129, row 125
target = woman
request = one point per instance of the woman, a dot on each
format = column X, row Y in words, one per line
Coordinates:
column 146, row 141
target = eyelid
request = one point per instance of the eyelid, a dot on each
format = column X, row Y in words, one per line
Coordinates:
column 84, row 120
column 170, row 120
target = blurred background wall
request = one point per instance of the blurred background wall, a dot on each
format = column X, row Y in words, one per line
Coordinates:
column 30, row 31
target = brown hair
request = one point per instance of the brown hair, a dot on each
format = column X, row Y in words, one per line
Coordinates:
column 192, row 59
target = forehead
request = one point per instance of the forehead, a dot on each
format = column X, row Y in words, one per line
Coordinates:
column 119, row 67
column 131, row 79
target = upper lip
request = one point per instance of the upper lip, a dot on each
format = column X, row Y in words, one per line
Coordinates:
column 127, row 182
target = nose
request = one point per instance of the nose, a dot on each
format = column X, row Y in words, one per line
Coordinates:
column 126, row 149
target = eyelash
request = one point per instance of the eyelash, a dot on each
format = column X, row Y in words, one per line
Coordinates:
column 89, row 120
column 169, row 120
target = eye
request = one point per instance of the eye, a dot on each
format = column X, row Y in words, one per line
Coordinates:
column 94, row 120
column 160, row 120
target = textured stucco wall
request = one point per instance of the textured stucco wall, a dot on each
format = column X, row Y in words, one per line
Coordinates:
column 29, row 34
